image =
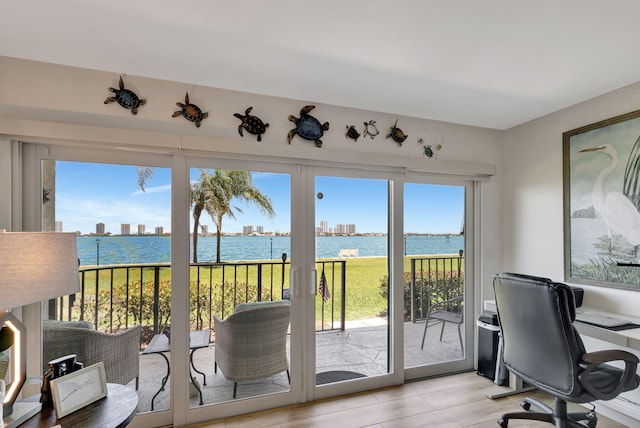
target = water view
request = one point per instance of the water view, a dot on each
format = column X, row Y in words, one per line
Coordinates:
column 105, row 250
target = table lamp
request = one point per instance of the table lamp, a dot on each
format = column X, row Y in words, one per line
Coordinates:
column 34, row 266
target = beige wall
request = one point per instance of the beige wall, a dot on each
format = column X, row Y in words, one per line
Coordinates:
column 533, row 211
column 54, row 104
column 533, row 201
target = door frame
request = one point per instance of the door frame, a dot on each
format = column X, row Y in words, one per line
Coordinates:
column 302, row 243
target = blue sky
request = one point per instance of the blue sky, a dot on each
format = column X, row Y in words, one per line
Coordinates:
column 87, row 194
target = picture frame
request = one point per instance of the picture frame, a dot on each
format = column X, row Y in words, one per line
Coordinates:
column 78, row 389
column 601, row 190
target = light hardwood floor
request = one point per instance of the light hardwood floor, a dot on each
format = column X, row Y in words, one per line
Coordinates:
column 455, row 401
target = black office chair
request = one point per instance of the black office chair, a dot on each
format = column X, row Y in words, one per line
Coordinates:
column 541, row 346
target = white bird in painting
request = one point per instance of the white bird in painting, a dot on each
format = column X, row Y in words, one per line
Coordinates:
column 618, row 213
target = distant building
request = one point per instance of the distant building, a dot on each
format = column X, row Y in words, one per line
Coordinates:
column 125, row 229
column 247, row 230
column 159, row 230
column 204, row 229
column 141, row 229
column 260, row 229
column 351, row 228
column 58, row 226
column 100, row 229
column 324, row 226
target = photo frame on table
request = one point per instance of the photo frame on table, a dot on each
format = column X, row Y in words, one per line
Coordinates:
column 78, row 389
column 601, row 187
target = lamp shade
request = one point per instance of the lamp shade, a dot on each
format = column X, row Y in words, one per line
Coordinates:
column 37, row 266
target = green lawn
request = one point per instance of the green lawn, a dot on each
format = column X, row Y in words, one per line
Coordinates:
column 363, row 279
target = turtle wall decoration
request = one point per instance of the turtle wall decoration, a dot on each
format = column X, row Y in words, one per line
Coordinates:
column 431, row 151
column 252, row 124
column 396, row 134
column 352, row 132
column 370, row 129
column 307, row 126
column 126, row 98
column 189, row 111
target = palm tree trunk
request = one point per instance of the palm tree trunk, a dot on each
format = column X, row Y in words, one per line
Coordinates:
column 218, row 237
column 196, row 225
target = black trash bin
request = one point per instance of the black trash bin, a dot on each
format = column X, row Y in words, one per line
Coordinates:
column 489, row 363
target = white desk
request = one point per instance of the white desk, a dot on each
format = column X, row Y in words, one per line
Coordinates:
column 626, row 338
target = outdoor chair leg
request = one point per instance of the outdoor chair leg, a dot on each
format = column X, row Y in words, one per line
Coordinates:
column 424, row 334
column 288, row 377
column 235, row 388
column 460, row 336
column 215, row 367
column 137, row 382
column 442, row 330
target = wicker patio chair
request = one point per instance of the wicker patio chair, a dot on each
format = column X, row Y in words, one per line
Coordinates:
column 120, row 352
column 252, row 342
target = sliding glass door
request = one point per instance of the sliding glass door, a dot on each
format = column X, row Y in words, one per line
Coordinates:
column 436, row 300
column 369, row 264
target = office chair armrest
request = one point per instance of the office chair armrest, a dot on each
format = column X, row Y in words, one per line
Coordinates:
column 594, row 361
column 609, row 355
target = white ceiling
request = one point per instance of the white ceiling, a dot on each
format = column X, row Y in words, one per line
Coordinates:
column 490, row 63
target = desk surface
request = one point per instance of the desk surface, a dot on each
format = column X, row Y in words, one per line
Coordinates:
column 626, row 338
column 113, row 411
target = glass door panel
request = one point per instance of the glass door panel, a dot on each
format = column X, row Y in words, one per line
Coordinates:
column 240, row 264
column 434, row 268
column 352, row 265
column 124, row 239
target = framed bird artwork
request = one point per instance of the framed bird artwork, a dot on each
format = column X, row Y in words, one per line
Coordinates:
column 601, row 165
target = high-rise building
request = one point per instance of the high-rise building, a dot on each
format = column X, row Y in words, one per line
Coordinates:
column 100, row 229
column 260, row 229
column 141, row 229
column 247, row 230
column 351, row 228
column 324, row 226
column 159, row 230
column 125, row 229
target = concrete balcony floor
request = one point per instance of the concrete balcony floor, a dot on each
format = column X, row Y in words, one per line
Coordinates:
column 361, row 348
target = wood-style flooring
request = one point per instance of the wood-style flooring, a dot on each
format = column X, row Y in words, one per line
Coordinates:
column 455, row 401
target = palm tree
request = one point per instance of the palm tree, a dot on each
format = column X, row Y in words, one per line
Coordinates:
column 215, row 193
column 198, row 201
column 226, row 185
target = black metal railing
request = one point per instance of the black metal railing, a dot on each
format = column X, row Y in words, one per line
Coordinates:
column 113, row 297
column 433, row 279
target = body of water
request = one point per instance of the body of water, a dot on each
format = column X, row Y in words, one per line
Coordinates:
column 134, row 249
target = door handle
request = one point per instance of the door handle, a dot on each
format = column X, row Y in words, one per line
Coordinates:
column 313, row 277
column 294, row 280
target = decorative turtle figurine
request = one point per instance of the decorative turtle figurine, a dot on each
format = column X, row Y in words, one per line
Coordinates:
column 352, row 132
column 396, row 134
column 126, row 98
column 430, row 151
column 307, row 126
column 252, row 124
column 370, row 129
column 191, row 112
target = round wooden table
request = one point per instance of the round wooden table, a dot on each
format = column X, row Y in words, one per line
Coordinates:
column 115, row 410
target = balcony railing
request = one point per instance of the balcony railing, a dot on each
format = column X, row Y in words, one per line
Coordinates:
column 434, row 279
column 113, row 297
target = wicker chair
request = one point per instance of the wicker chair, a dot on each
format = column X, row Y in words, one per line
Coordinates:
column 120, row 352
column 252, row 342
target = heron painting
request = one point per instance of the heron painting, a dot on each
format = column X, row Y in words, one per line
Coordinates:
column 602, row 203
